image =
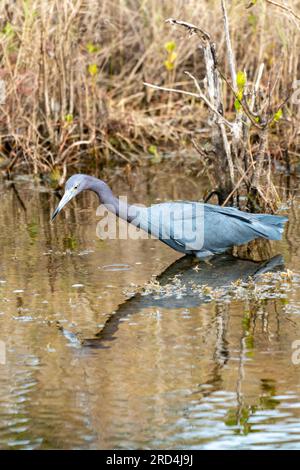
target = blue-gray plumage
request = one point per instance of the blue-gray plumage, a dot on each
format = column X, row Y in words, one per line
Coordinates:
column 186, row 226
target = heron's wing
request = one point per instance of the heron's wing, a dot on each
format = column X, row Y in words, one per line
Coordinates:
column 179, row 223
column 259, row 225
column 192, row 226
column 247, row 216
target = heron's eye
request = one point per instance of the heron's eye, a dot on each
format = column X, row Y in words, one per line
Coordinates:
column 76, row 186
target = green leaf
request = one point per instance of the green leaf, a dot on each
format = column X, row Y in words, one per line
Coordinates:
column 8, row 30
column 252, row 20
column 93, row 69
column 55, row 176
column 69, row 118
column 237, row 105
column 156, row 156
column 170, row 46
column 239, row 97
column 169, row 65
column 241, row 80
column 172, row 56
column 251, row 4
column 152, row 150
column 170, row 62
column 278, row 115
column 92, row 48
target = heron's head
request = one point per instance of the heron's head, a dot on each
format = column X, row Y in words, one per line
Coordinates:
column 74, row 186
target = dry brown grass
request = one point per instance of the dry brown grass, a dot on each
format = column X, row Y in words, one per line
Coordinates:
column 74, row 73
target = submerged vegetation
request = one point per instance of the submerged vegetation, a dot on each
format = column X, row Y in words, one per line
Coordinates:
column 72, row 76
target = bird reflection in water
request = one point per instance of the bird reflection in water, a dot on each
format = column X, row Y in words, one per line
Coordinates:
column 220, row 272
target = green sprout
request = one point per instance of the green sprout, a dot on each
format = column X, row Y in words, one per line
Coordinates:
column 169, row 63
column 93, row 70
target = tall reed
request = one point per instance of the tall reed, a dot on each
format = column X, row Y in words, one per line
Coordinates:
column 73, row 72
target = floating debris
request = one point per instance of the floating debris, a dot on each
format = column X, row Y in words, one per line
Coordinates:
column 85, row 252
column 50, row 349
column 270, row 285
column 115, row 267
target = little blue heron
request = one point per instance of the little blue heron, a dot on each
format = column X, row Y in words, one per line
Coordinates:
column 188, row 227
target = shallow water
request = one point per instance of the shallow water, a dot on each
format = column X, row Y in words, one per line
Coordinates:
column 178, row 365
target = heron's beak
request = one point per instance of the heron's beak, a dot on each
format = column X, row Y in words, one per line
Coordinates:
column 64, row 200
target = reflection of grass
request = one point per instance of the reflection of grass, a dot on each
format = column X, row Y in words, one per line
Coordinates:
column 240, row 416
column 33, row 231
column 267, row 401
column 70, row 243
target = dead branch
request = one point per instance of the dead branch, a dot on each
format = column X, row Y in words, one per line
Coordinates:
column 200, row 96
column 238, row 184
column 191, row 28
column 230, row 54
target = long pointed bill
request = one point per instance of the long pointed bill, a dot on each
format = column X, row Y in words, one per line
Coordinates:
column 64, row 200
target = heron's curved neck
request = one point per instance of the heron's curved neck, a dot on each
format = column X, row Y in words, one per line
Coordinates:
column 114, row 204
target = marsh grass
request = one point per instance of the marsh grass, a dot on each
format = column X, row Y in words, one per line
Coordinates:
column 74, row 70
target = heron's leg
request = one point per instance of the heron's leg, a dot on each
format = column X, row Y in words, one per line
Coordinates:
column 205, row 257
column 208, row 260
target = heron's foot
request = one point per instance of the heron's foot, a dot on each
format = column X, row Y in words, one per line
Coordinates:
column 207, row 261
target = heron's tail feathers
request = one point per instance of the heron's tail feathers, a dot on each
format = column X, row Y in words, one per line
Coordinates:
column 270, row 226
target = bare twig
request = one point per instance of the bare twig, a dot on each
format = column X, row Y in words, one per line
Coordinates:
column 61, row 158
column 172, row 90
column 114, row 150
column 256, row 86
column 230, row 54
column 238, row 183
column 228, row 152
column 199, row 149
column 195, row 95
column 191, row 28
